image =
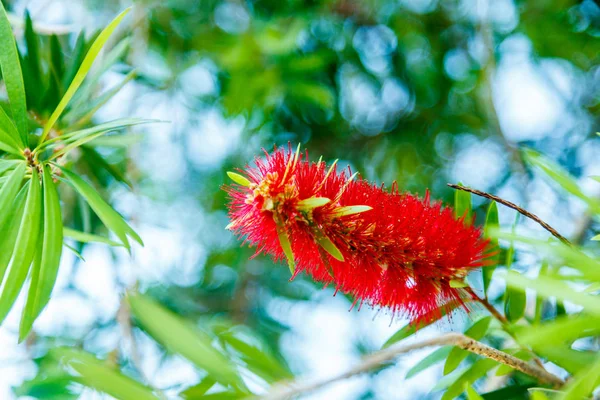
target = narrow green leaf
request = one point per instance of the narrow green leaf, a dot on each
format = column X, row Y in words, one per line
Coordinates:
column 597, row 237
column 259, row 361
column 549, row 287
column 476, row 371
column 455, row 283
column 182, row 338
column 286, row 245
column 411, row 328
column 85, row 92
column 10, row 189
column 13, row 79
column 582, row 384
column 9, row 230
column 84, row 237
column 77, row 135
column 33, row 58
column 239, row 179
column 52, row 242
column 27, row 317
column 98, row 375
column 462, row 204
column 491, row 222
column 75, row 251
column 82, row 72
column 85, row 137
column 559, row 175
column 82, row 116
column 350, row 210
column 109, row 217
column 198, row 390
column 471, row 393
column 457, row 355
column 515, row 301
column 313, row 202
column 328, row 245
column 432, row 359
column 7, row 126
column 25, row 247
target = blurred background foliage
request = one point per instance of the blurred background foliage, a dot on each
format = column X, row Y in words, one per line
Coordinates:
column 423, row 92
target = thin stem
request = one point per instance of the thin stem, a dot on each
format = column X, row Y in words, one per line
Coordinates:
column 379, row 358
column 507, row 203
column 502, row 319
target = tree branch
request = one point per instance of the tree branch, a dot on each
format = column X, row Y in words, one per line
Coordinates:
column 377, row 359
column 522, row 211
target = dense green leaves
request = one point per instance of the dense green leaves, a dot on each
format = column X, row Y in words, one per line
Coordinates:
column 25, row 247
column 46, row 270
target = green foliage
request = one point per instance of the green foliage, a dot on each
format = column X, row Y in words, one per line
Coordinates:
column 33, row 240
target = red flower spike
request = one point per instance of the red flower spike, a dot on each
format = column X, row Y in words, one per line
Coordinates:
column 387, row 248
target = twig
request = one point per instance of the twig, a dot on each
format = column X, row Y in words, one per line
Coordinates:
column 507, row 203
column 502, row 319
column 377, row 359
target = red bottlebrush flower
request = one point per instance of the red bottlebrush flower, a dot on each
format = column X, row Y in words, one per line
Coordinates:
column 387, row 248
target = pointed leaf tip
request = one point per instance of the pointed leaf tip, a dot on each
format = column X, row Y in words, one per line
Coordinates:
column 312, row 202
column 239, row 179
column 351, row 210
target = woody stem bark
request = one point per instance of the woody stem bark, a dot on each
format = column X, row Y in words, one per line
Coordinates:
column 375, row 360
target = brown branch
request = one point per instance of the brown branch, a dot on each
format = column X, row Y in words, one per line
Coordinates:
column 290, row 390
column 507, row 203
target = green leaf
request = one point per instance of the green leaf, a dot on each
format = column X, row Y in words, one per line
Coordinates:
column 457, row 355
column 182, row 338
column 515, row 301
column 78, row 138
column 462, row 204
column 455, row 283
column 10, row 133
column 491, row 222
column 10, row 189
column 52, row 242
column 471, row 393
column 109, row 217
column 549, row 287
column 327, row 245
column 476, row 371
column 259, row 361
column 96, row 374
column 9, row 230
column 582, row 384
column 84, row 237
column 239, row 179
column 560, row 176
column 410, row 328
column 313, row 202
column 200, row 389
column 25, row 247
column 13, row 79
column 432, row 359
column 81, row 116
column 82, row 72
column 350, row 210
column 597, row 237
column 284, row 241
column 32, row 60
